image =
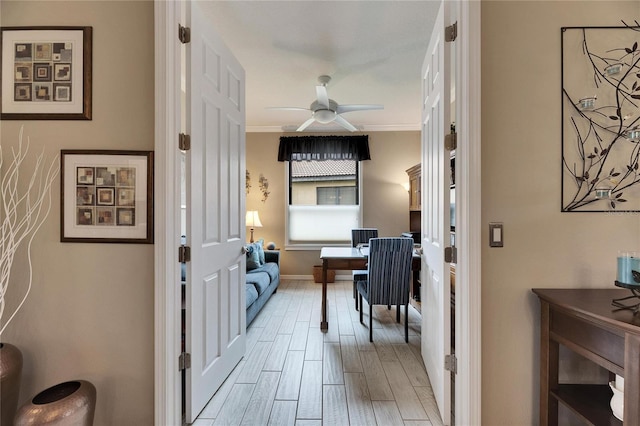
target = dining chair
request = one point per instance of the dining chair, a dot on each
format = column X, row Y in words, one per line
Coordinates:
column 389, row 274
column 361, row 236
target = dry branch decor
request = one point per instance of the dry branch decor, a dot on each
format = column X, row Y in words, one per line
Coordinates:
column 25, row 207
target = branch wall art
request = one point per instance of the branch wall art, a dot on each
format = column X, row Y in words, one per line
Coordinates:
column 600, row 119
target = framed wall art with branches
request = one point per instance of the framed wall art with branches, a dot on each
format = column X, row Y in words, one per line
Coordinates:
column 601, row 119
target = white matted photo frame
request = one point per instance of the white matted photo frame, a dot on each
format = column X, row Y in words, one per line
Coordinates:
column 46, row 73
column 106, row 196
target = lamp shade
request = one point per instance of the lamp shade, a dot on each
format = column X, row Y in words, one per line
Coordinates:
column 253, row 220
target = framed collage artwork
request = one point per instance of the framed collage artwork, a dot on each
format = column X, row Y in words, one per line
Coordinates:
column 46, row 73
column 106, row 196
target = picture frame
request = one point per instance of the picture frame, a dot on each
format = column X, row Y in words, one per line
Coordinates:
column 46, row 73
column 106, row 196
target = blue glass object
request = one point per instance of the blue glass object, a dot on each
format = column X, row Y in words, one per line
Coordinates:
column 628, row 263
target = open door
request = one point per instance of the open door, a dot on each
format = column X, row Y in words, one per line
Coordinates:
column 436, row 172
column 215, row 294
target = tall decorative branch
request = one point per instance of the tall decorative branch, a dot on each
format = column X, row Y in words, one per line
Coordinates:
column 599, row 175
column 24, row 210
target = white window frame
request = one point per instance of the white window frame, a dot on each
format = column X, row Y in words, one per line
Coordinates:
column 316, row 245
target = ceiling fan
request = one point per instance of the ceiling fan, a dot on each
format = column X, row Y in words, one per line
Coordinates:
column 325, row 110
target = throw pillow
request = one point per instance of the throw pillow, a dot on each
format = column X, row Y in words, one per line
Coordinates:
column 253, row 257
column 259, row 244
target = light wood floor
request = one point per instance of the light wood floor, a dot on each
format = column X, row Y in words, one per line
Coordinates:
column 294, row 374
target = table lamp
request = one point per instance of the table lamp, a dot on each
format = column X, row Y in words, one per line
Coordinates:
column 253, row 220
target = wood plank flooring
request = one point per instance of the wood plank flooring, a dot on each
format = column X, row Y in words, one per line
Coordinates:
column 294, row 374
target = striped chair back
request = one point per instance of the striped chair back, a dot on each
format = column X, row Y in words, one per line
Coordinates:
column 362, row 235
column 389, row 270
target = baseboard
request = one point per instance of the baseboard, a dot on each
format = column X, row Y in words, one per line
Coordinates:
column 310, row 277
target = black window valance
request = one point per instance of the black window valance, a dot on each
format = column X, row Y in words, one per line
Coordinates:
column 318, row 148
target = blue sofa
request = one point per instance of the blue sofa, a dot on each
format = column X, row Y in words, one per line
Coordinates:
column 261, row 283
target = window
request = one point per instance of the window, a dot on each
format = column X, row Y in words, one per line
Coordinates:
column 323, row 173
column 336, row 195
column 323, row 203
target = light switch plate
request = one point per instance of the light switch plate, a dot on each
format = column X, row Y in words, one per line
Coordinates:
column 496, row 234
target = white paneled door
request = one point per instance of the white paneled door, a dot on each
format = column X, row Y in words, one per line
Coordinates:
column 215, row 296
column 436, row 291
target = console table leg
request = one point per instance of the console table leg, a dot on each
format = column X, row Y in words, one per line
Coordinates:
column 549, row 352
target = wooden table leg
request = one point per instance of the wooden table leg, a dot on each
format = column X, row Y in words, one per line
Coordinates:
column 549, row 352
column 324, row 324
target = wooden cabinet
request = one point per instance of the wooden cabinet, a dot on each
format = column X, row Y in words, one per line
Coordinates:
column 415, row 190
column 584, row 321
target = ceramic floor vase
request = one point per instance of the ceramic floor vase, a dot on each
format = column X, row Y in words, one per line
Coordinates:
column 69, row 403
column 10, row 375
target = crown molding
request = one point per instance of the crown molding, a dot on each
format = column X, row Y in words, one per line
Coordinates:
column 333, row 129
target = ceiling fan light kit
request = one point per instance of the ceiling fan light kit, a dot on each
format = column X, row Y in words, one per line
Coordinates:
column 324, row 116
column 325, row 110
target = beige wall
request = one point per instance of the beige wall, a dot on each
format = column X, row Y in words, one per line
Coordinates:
column 90, row 312
column 385, row 201
column 521, row 188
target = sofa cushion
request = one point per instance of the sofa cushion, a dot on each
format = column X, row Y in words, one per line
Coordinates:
column 260, row 279
column 272, row 269
column 252, row 294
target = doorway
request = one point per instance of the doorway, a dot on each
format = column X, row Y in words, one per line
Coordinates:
column 167, row 271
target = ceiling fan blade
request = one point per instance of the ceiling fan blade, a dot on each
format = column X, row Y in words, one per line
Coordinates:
column 305, row 124
column 289, row 108
column 323, row 96
column 344, row 123
column 355, row 107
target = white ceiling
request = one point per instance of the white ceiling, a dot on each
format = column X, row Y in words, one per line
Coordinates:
column 373, row 50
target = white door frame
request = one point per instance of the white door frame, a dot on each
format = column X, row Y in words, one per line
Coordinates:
column 468, row 391
column 167, row 383
column 167, row 378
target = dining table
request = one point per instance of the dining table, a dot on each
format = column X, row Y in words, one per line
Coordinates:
column 345, row 259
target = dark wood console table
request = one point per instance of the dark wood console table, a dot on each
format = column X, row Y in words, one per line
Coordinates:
column 584, row 321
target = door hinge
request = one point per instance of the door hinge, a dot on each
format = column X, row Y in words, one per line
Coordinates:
column 451, row 254
column 184, row 254
column 184, row 361
column 451, row 363
column 451, row 32
column 184, row 34
column 450, row 141
column 184, row 142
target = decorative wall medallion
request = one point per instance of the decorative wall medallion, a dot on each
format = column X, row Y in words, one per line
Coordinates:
column 264, row 187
